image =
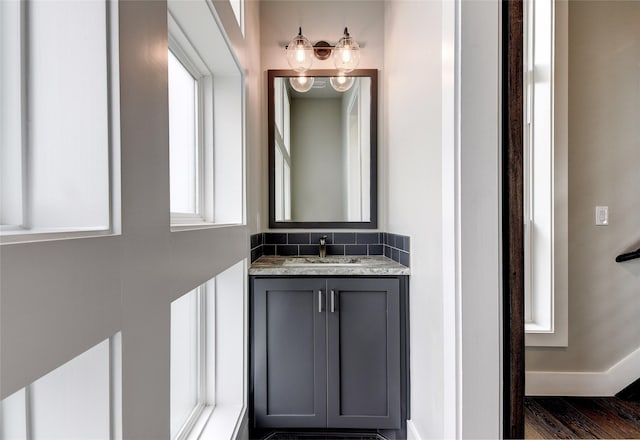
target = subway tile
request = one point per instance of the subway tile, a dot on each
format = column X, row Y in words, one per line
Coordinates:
column 394, row 246
column 275, row 238
column 406, row 244
column 404, row 258
column 355, row 249
column 298, row 238
column 287, row 250
column 315, row 237
column 344, row 237
column 256, row 253
column 309, row 249
column 367, row 238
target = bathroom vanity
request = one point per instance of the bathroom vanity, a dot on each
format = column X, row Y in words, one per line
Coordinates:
column 329, row 345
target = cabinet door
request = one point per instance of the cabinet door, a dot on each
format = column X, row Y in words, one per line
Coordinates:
column 364, row 353
column 289, row 337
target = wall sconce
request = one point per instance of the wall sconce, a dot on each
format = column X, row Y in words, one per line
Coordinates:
column 346, row 52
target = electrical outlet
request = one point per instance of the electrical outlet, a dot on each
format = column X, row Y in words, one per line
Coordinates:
column 602, row 216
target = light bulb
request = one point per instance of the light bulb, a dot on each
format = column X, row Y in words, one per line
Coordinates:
column 346, row 54
column 300, row 53
column 301, row 84
column 341, row 83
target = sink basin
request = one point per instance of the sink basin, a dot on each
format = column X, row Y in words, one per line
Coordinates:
column 327, row 261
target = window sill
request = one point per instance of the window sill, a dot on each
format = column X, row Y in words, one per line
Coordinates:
column 197, row 226
column 538, row 336
column 9, row 235
column 221, row 422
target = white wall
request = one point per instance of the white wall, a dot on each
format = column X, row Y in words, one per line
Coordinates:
column 443, row 137
column 320, row 20
column 412, row 169
column 478, row 218
column 604, row 152
column 59, row 298
column 448, row 212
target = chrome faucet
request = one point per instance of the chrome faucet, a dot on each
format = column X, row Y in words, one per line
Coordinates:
column 323, row 246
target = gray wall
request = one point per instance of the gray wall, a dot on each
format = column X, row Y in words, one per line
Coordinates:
column 317, row 174
column 604, row 159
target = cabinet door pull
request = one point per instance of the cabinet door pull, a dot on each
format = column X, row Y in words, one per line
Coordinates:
column 333, row 305
column 319, row 301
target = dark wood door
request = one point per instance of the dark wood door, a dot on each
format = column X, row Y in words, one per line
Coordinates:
column 363, row 317
column 289, row 353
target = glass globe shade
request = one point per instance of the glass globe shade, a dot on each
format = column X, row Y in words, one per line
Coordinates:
column 341, row 83
column 301, row 84
column 346, row 53
column 300, row 53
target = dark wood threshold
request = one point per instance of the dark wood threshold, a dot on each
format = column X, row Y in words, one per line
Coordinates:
column 512, row 219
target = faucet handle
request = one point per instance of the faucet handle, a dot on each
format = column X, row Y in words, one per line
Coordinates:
column 323, row 240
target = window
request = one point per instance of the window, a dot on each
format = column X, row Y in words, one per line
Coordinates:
column 186, row 149
column 56, row 166
column 238, row 11
column 208, row 366
column 79, row 400
column 544, row 174
column 189, row 395
column 206, row 120
column 283, row 150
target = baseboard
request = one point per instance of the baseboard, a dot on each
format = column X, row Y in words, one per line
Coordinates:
column 631, row 392
column 569, row 383
column 412, row 431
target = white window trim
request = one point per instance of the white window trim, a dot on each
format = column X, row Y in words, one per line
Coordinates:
column 205, row 358
column 115, row 389
column 546, row 291
column 213, row 206
column 188, row 56
column 209, row 419
column 23, row 233
column 282, row 147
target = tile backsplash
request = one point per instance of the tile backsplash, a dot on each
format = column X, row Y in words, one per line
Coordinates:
column 393, row 246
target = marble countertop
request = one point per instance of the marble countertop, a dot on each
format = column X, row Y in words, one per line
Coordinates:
column 331, row 265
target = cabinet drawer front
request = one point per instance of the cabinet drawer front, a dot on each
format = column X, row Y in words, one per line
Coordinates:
column 364, row 354
column 289, row 337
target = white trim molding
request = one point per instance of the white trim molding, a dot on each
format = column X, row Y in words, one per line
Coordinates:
column 584, row 383
column 412, row 431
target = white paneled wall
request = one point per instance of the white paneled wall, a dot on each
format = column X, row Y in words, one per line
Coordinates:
column 59, row 298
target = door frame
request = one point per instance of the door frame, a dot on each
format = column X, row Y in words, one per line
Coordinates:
column 513, row 219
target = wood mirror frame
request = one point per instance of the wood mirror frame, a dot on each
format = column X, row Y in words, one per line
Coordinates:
column 372, row 223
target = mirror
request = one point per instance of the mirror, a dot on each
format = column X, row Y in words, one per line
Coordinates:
column 322, row 149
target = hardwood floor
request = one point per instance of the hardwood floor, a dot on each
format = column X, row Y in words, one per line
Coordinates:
column 581, row 417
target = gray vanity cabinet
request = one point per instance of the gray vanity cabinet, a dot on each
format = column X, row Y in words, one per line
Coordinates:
column 326, row 353
column 289, row 353
column 363, row 357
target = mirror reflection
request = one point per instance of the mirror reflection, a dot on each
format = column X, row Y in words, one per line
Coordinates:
column 322, row 149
